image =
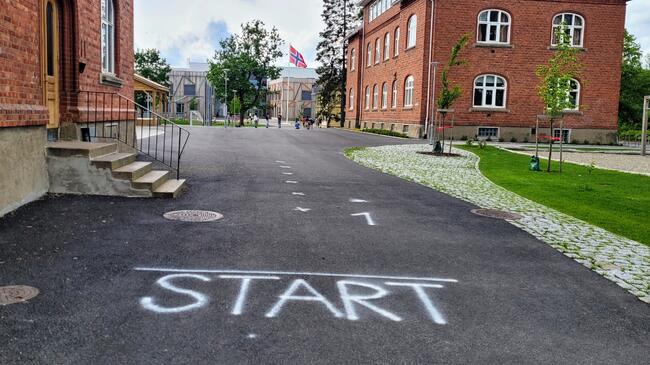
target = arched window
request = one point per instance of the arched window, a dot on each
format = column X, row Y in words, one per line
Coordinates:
column 387, row 46
column 108, row 36
column 377, row 51
column 375, row 97
column 574, row 94
column 396, row 50
column 353, row 59
column 351, row 99
column 367, row 97
column 408, row 91
column 369, row 55
column 574, row 26
column 394, row 99
column 490, row 91
column 493, row 27
column 411, row 31
column 384, row 96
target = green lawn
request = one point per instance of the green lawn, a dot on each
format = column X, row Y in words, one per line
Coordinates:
column 615, row 201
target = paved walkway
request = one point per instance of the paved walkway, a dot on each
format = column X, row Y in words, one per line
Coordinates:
column 617, row 258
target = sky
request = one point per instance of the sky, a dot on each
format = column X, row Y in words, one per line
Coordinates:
column 191, row 29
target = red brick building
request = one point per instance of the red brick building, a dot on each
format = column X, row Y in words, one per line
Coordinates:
column 52, row 52
column 390, row 82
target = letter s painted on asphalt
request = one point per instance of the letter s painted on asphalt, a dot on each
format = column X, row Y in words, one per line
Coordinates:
column 200, row 299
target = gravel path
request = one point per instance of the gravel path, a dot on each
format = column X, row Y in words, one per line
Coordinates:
column 626, row 163
column 621, row 260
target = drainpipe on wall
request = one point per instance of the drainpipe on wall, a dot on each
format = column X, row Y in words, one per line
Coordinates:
column 427, row 127
column 362, row 53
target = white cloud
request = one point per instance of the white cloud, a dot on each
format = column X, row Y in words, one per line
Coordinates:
column 638, row 22
column 192, row 28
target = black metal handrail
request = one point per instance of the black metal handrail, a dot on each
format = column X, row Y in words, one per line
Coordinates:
column 114, row 116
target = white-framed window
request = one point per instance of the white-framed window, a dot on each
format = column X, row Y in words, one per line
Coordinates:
column 574, row 94
column 411, row 31
column 384, row 96
column 377, row 51
column 375, row 97
column 379, row 7
column 490, row 91
column 566, row 134
column 369, row 55
column 367, row 97
column 393, row 101
column 574, row 27
column 487, row 132
column 353, row 59
column 351, row 99
column 108, row 36
column 493, row 27
column 386, row 46
column 408, row 91
column 396, row 50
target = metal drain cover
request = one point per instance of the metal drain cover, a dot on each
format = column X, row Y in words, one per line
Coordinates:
column 16, row 294
column 498, row 214
column 193, row 216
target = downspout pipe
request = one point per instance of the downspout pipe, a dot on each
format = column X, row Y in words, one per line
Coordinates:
column 428, row 129
column 361, row 90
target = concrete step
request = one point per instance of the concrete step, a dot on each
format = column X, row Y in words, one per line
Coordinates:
column 132, row 171
column 77, row 148
column 151, row 180
column 113, row 160
column 169, row 189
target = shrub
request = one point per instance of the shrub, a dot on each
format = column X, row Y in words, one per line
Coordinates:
column 482, row 144
column 502, row 140
column 463, row 138
column 469, row 142
column 513, row 140
column 586, row 141
column 575, row 141
column 489, row 139
column 385, row 132
column 525, row 139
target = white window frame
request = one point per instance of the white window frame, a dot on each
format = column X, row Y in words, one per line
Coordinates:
column 498, row 24
column 367, row 106
column 387, row 46
column 577, row 90
column 409, row 87
column 351, row 99
column 107, row 35
column 369, row 55
column 375, row 97
column 411, row 31
column 556, row 134
column 378, row 8
column 571, row 28
column 384, row 96
column 393, row 101
column 396, row 50
column 377, row 51
column 353, row 59
column 494, row 90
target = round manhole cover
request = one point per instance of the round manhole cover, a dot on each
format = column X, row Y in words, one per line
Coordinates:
column 498, row 214
column 193, row 216
column 16, row 294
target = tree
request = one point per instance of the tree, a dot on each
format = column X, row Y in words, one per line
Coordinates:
column 448, row 94
column 555, row 81
column 338, row 17
column 635, row 84
column 248, row 58
column 151, row 65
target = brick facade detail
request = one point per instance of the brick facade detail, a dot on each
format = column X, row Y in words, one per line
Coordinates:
column 21, row 81
column 529, row 46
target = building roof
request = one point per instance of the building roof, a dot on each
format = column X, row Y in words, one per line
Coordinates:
column 151, row 84
column 194, row 67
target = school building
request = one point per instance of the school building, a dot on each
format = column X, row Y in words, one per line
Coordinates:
column 395, row 59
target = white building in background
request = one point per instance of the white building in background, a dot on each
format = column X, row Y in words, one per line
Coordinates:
column 190, row 86
column 293, row 94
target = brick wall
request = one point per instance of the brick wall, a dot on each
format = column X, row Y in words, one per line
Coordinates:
column 529, row 47
column 21, row 90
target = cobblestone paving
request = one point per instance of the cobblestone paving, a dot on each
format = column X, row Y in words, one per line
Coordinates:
column 621, row 260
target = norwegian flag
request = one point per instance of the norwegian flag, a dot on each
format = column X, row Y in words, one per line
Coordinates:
column 296, row 58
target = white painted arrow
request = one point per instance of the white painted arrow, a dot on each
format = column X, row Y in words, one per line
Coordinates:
column 368, row 218
column 299, row 209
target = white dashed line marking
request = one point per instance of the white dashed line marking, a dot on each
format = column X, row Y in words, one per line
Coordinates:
column 291, row 182
column 279, row 161
column 352, row 200
column 300, row 194
column 299, row 209
column 287, row 173
column 285, row 167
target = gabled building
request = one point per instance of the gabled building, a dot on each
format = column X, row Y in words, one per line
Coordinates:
column 391, row 65
column 293, row 94
column 190, row 88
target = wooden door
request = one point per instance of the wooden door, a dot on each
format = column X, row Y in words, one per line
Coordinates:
column 50, row 59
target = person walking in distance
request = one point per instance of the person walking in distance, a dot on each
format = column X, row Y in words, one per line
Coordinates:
column 279, row 120
column 256, row 120
column 266, row 117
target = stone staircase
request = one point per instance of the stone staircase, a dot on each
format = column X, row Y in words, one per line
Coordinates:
column 101, row 169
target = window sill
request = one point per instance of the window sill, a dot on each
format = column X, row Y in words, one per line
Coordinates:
column 555, row 48
column 492, row 45
column 110, row 80
column 407, row 108
column 410, row 48
column 489, row 110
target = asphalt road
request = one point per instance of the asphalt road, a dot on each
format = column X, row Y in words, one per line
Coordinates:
column 299, row 278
